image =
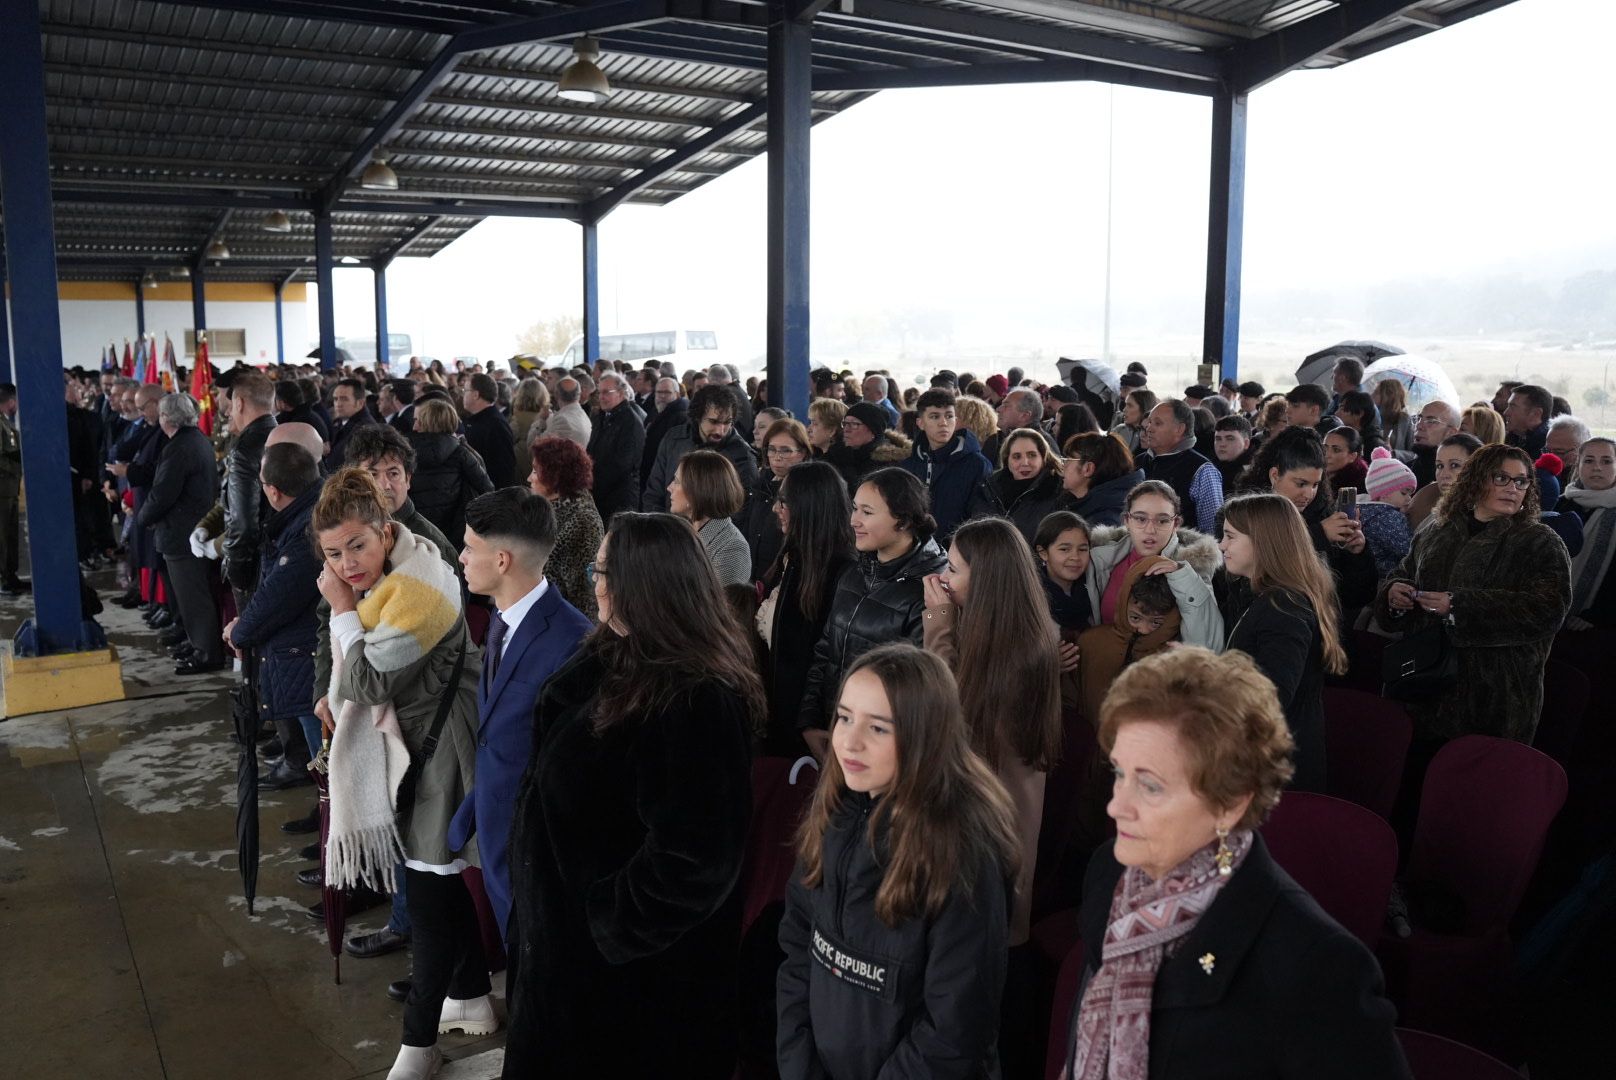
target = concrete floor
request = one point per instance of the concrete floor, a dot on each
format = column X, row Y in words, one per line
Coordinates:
column 126, row 949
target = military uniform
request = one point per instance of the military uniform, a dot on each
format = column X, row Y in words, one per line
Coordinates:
column 10, row 493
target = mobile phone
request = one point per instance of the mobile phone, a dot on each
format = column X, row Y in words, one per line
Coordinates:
column 1346, row 502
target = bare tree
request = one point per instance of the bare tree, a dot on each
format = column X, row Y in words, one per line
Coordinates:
column 550, row 337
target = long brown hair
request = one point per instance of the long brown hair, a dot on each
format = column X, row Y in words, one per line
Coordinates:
column 819, row 534
column 1285, row 559
column 679, row 629
column 945, row 808
column 1008, row 660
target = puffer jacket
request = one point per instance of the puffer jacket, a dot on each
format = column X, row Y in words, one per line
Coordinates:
column 875, row 603
column 1199, row 559
column 954, row 475
column 1025, row 508
column 858, row 999
column 448, row 475
column 244, row 505
column 281, row 622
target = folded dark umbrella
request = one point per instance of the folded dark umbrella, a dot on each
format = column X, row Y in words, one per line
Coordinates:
column 244, row 716
column 333, row 902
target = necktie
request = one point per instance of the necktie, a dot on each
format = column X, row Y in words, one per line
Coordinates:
column 495, row 646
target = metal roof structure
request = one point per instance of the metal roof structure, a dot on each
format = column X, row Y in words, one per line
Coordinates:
column 179, row 123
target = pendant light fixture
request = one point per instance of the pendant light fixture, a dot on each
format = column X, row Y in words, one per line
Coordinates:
column 378, row 175
column 218, row 250
column 277, row 222
column 582, row 80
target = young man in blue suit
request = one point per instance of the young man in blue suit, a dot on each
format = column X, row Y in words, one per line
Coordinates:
column 509, row 536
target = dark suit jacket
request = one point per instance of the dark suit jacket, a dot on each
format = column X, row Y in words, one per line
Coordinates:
column 403, row 421
column 489, row 434
column 186, row 484
column 616, row 440
column 340, row 431
column 547, row 638
column 1290, row 995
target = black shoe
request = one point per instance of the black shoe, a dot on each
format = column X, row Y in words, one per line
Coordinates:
column 173, row 636
column 313, row 877
column 161, row 621
column 183, row 651
column 309, row 851
column 22, row 585
column 128, row 600
column 283, row 776
column 398, row 989
column 303, row 825
column 271, row 749
column 360, row 899
column 194, row 667
column 7, row 589
column 382, row 942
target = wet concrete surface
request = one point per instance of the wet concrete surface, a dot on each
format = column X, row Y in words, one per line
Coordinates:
column 126, row 949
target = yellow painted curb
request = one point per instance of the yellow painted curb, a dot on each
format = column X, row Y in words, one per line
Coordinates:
column 36, row 684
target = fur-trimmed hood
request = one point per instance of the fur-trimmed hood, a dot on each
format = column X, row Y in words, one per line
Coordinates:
column 891, row 448
column 1196, row 548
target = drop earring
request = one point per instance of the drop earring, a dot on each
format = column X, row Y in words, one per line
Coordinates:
column 1224, row 857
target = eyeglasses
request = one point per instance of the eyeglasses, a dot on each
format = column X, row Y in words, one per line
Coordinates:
column 1161, row 521
column 783, row 451
column 1427, row 421
column 591, row 571
column 1505, row 480
column 852, row 425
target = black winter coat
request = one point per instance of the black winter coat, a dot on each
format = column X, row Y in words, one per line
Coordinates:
column 1104, row 503
column 616, row 439
column 489, row 434
column 280, row 623
column 791, row 652
column 875, row 603
column 244, row 505
column 1024, row 506
column 1291, row 995
column 625, row 852
column 858, row 999
column 759, row 524
column 954, row 475
column 1280, row 631
column 183, row 490
column 447, row 477
column 664, row 420
column 681, row 441
column 308, row 414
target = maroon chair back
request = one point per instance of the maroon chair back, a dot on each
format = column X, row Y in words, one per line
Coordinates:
column 1366, row 740
column 771, row 852
column 1431, row 1057
column 1344, row 855
column 1363, row 661
column 1566, row 692
column 1485, row 811
column 1063, row 1010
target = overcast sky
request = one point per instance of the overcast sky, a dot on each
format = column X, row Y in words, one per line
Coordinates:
column 1471, row 150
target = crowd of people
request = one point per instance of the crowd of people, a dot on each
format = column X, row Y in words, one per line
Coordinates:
column 539, row 624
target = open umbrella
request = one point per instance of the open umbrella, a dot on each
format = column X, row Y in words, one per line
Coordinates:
column 1423, row 378
column 1318, row 366
column 1099, row 379
column 244, row 715
column 333, row 901
column 344, row 357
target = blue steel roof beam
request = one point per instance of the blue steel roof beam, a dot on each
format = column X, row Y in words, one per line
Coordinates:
column 460, row 208
column 1031, row 71
column 553, row 107
column 569, row 23
column 1418, row 24
column 213, row 234
column 605, row 204
column 825, row 53
column 64, row 193
column 1255, row 63
column 409, row 240
column 387, row 13
column 541, row 134
column 98, row 106
column 990, row 30
column 705, row 93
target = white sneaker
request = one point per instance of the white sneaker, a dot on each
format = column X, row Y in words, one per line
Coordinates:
column 416, row 1063
column 473, row 1016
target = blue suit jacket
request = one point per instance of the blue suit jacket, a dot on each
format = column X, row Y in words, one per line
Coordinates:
column 547, row 638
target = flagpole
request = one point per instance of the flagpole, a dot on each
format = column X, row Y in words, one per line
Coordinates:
column 1110, row 130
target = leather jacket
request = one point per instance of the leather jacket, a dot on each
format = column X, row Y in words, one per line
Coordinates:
column 243, row 500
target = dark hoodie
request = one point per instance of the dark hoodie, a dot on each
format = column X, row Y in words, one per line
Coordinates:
column 1106, row 650
column 955, row 474
column 858, row 999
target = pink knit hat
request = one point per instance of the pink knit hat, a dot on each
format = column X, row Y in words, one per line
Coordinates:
column 1387, row 475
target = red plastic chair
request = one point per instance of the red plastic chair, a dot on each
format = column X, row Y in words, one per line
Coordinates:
column 1484, row 815
column 1060, row 1014
column 1342, row 854
column 781, row 789
column 1366, row 740
column 1431, row 1057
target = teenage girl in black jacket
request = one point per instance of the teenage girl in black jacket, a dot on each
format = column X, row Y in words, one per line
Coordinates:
column 896, row 923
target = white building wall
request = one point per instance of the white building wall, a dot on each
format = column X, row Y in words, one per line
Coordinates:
column 88, row 325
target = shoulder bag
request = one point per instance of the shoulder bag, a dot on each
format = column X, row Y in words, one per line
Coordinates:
column 418, row 761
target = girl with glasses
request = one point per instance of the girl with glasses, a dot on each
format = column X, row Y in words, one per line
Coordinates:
column 783, row 444
column 1500, row 581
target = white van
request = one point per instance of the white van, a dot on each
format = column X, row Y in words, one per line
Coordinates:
column 701, row 345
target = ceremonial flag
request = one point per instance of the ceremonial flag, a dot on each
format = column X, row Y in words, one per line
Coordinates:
column 138, row 370
column 202, row 384
column 171, row 370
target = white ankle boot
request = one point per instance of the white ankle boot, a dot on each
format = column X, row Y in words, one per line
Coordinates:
column 474, row 1016
column 416, row 1063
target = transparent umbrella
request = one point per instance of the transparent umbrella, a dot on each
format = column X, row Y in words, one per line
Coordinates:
column 1424, row 380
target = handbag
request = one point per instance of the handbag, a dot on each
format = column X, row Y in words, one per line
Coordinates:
column 1422, row 665
column 418, row 762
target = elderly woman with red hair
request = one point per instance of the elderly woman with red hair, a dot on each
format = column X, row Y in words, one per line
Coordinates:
column 563, row 473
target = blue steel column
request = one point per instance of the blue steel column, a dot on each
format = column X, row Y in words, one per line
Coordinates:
column 25, row 200
column 280, row 322
column 5, row 331
column 1226, row 215
column 383, row 354
column 323, row 262
column 140, row 307
column 199, row 295
column 790, row 117
column 591, row 291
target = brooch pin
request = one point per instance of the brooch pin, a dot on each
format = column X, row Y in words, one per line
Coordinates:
column 1208, row 961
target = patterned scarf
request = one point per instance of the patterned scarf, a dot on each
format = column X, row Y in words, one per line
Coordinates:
column 1149, row 921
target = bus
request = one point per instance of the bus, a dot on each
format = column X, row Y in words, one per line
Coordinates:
column 699, row 347
column 363, row 349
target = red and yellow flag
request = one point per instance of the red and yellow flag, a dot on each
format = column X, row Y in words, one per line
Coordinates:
column 202, row 384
